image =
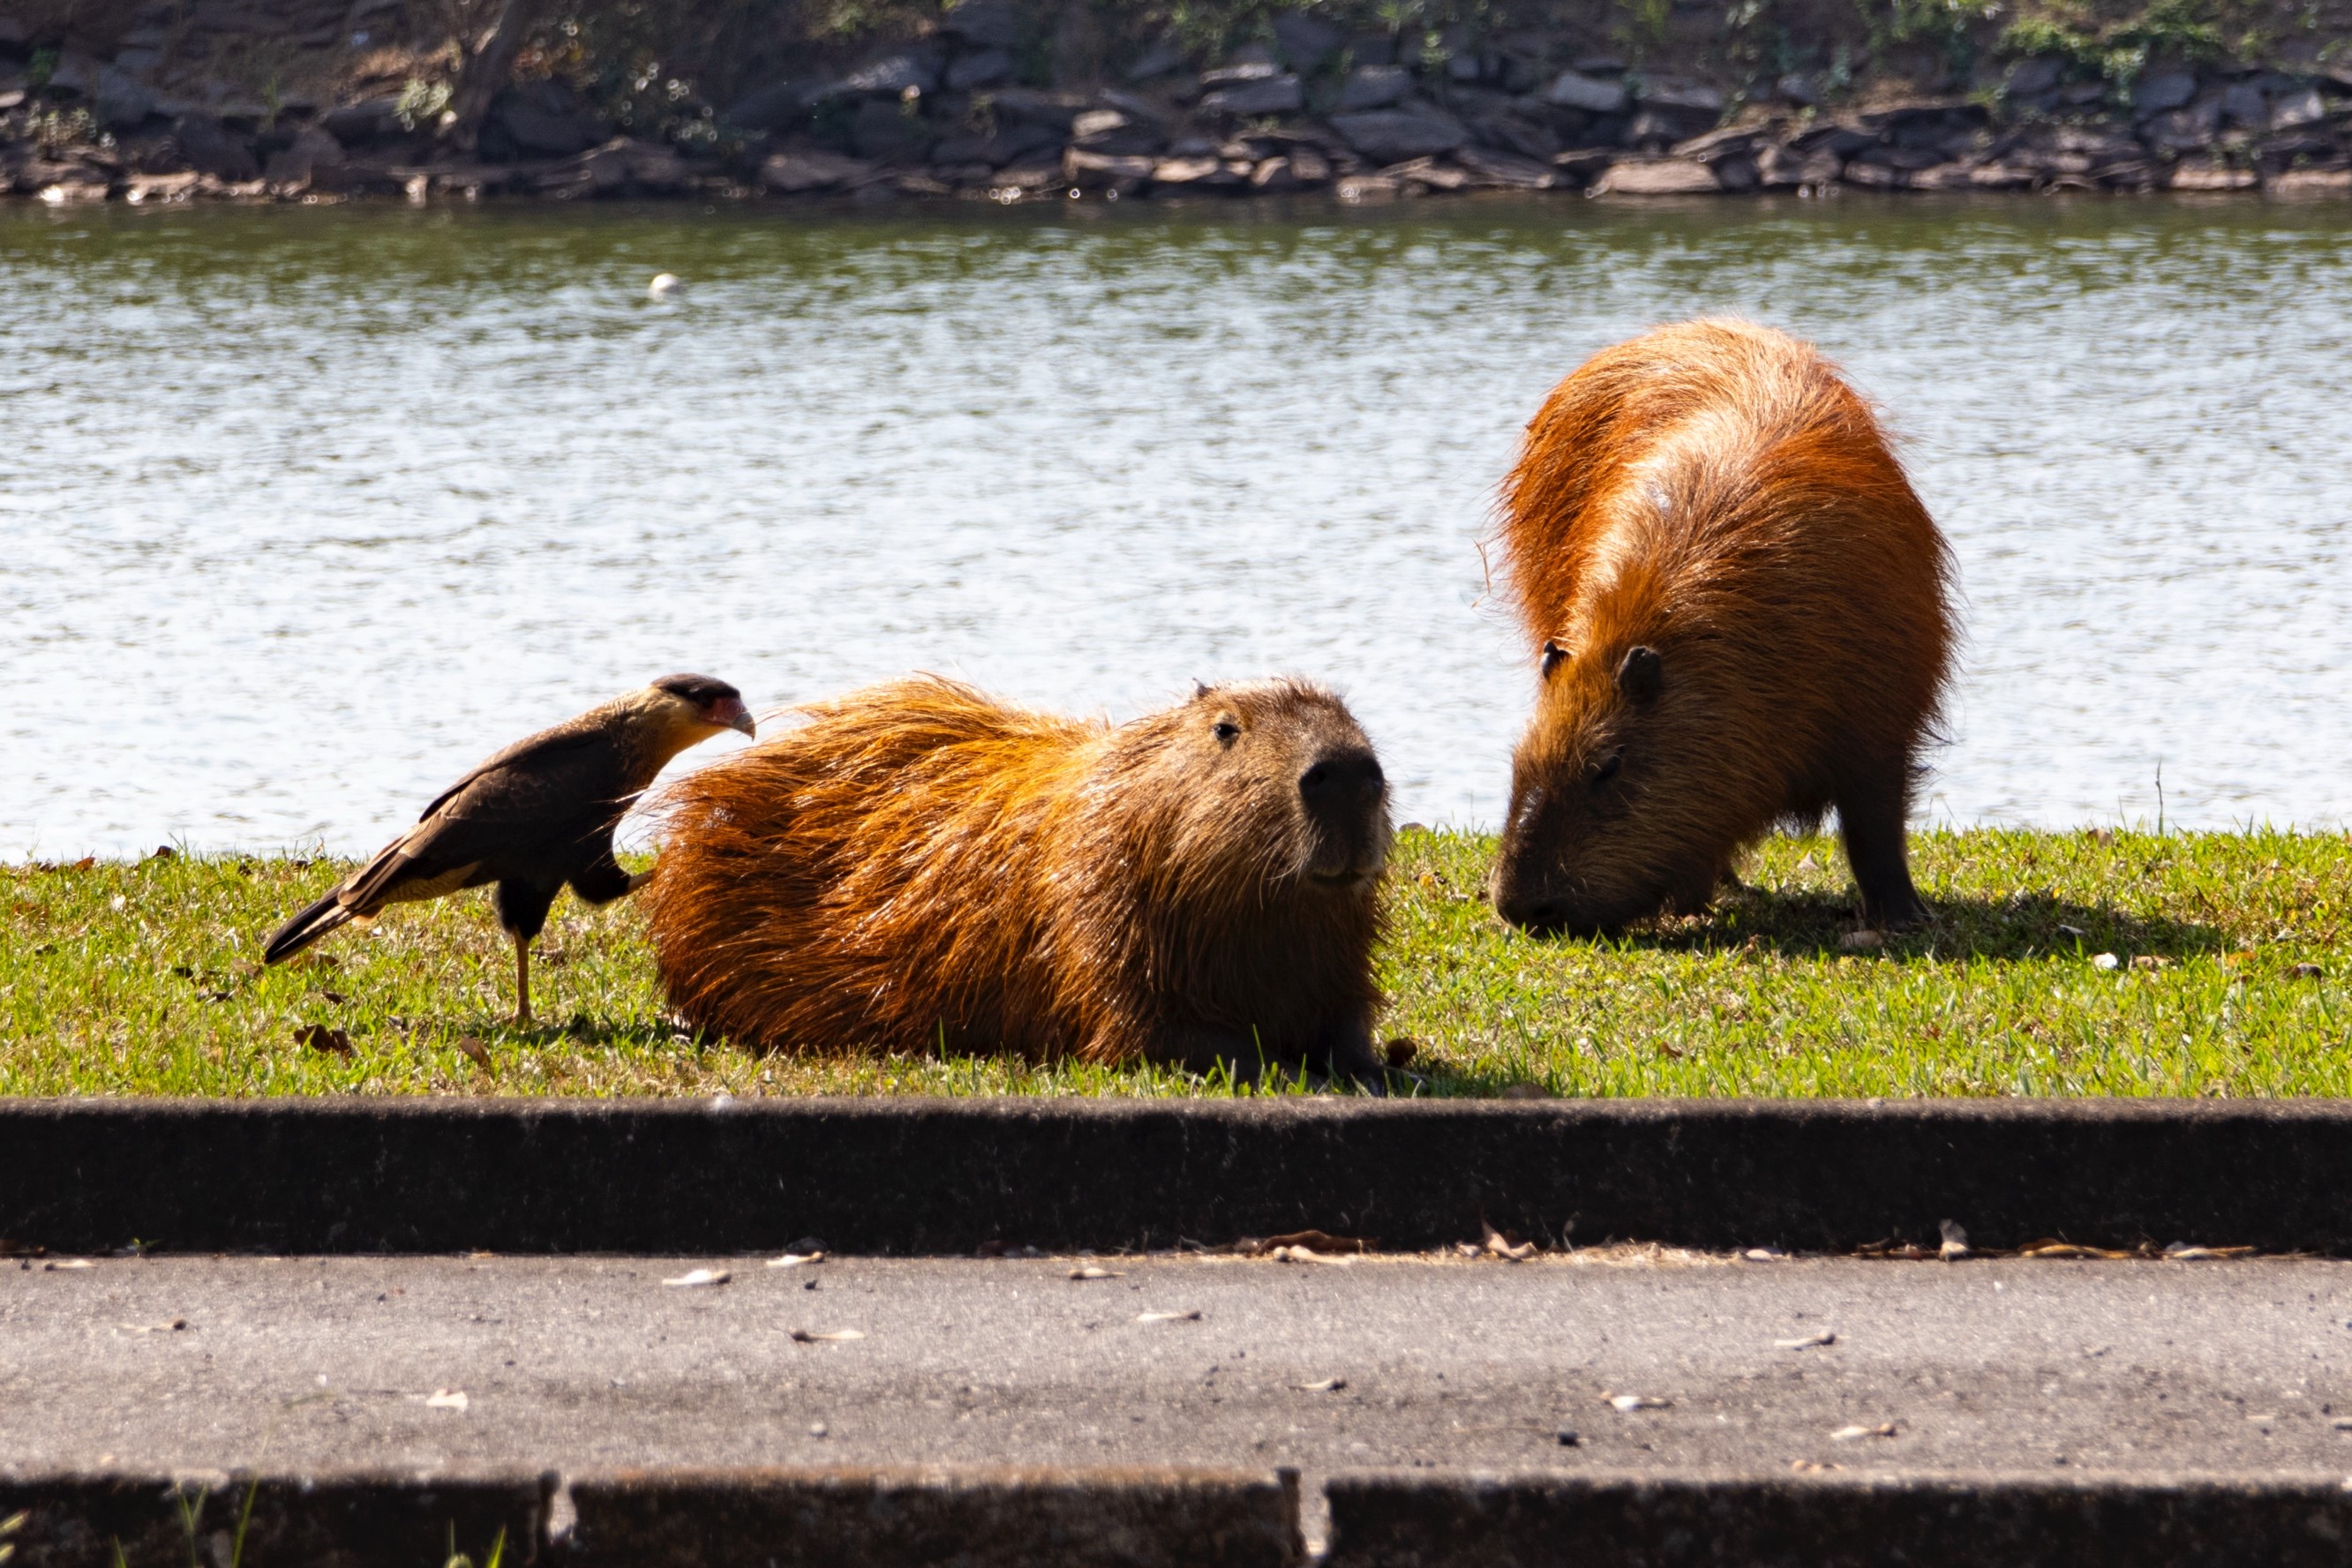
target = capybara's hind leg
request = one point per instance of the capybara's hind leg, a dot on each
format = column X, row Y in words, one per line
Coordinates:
column 1870, row 815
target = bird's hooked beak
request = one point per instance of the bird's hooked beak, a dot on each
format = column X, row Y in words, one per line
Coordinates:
column 730, row 714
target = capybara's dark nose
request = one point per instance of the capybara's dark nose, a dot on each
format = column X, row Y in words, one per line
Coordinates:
column 1341, row 778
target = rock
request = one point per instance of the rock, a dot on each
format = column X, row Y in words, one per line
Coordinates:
column 1601, row 65
column 985, row 68
column 1275, row 95
column 296, row 165
column 1030, row 176
column 1731, row 141
column 1104, row 172
column 2244, row 104
column 1426, row 174
column 1580, row 166
column 772, row 106
column 1272, row 175
column 2167, row 90
column 1509, row 133
column 1113, row 131
column 1395, row 135
column 1249, row 64
column 1875, row 176
column 888, row 129
column 210, row 149
column 1009, row 145
column 891, row 75
column 1571, row 90
column 544, row 118
column 2298, row 108
column 1368, row 188
column 1507, row 170
column 178, row 187
column 1943, row 177
column 796, row 173
column 983, row 24
column 2185, row 129
column 2032, row 78
column 1782, row 168
column 1156, row 61
column 1039, row 106
column 370, row 120
column 2307, row 182
column 1798, row 89
column 2205, row 174
column 1305, row 41
column 1308, row 166
column 118, row 100
column 1691, row 96
column 2002, row 176
column 1658, row 177
column 1189, row 171
column 1374, row 87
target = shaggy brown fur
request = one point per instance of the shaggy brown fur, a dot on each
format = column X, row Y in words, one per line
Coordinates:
column 920, row 868
column 1741, row 611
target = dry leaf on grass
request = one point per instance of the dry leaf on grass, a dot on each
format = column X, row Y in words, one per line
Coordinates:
column 2182, row 1252
column 1500, row 1246
column 1848, row 1433
column 1319, row 1240
column 695, row 1278
column 471, row 1048
column 1307, row 1255
column 794, row 1259
column 319, row 1037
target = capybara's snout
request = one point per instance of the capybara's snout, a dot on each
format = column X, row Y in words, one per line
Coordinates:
column 1344, row 795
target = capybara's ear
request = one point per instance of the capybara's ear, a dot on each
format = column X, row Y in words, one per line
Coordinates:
column 1199, row 689
column 1641, row 674
column 1553, row 655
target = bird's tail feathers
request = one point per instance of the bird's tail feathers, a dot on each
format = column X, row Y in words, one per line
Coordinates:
column 328, row 913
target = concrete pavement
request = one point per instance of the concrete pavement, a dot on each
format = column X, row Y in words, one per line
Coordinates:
column 2052, row 1375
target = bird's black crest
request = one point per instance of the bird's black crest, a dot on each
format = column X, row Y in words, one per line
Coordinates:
column 698, row 688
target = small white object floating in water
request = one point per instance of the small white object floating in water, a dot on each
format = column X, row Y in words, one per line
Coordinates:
column 664, row 284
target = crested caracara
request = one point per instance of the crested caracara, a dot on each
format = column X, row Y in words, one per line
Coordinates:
column 534, row 817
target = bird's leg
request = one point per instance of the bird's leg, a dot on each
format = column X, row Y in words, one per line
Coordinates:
column 523, row 981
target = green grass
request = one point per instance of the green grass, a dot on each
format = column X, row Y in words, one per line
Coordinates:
column 122, row 978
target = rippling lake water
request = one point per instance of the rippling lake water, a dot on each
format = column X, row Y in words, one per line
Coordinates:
column 303, row 511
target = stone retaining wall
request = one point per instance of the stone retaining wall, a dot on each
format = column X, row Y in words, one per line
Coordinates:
column 163, row 106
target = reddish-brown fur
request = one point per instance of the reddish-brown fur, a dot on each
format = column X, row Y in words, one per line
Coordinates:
column 920, row 868
column 1741, row 613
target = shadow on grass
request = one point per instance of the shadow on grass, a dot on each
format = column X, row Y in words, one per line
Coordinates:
column 1817, row 925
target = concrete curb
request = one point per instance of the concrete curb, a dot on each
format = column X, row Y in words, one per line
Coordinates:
column 353, row 1520
column 946, row 1176
column 972, row 1519
column 1920, row 1522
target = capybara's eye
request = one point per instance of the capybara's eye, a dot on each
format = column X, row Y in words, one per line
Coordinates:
column 1226, row 731
column 1552, row 654
column 1609, row 767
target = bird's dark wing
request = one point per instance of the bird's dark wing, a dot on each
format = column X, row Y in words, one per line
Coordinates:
column 531, row 812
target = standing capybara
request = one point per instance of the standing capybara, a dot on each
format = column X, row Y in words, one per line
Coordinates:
column 1741, row 611
column 920, row 868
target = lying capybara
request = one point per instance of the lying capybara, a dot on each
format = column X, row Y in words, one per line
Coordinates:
column 1740, row 613
column 920, row 868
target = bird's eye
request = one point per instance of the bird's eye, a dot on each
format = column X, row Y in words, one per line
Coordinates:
column 1226, row 731
column 1609, row 765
